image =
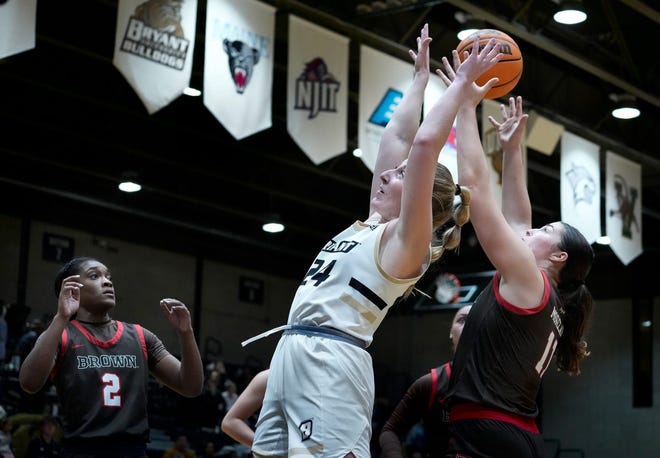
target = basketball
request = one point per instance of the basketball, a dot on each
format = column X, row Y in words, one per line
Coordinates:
column 508, row 69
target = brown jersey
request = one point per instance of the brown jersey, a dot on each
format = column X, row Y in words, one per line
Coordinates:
column 504, row 352
column 102, row 384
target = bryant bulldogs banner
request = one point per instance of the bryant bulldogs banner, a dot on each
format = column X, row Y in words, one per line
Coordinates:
column 18, row 20
column 623, row 203
column 154, row 45
column 238, row 64
column 382, row 81
column 317, row 90
column 580, row 185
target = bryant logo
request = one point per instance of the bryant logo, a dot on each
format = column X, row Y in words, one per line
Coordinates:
column 305, row 430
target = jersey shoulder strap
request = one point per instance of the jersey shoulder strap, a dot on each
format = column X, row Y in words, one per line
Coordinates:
column 434, row 382
column 434, row 386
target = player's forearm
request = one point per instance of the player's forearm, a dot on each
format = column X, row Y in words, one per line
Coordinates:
column 38, row 364
column 516, row 206
column 238, row 430
column 192, row 371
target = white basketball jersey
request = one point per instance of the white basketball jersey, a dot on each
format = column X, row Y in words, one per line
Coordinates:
column 346, row 287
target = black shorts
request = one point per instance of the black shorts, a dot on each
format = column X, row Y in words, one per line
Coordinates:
column 486, row 438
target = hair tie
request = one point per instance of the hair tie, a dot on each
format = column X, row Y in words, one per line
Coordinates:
column 458, row 190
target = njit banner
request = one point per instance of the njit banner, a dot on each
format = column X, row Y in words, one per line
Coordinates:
column 623, row 201
column 580, row 185
column 238, row 64
column 383, row 80
column 154, row 45
column 18, row 20
column 317, row 90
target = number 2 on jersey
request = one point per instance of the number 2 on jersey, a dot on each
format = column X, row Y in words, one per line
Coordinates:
column 111, row 390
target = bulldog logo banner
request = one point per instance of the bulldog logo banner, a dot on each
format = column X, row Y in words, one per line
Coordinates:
column 154, row 45
column 18, row 19
column 238, row 64
column 317, row 95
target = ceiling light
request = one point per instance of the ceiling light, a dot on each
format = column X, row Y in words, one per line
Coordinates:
column 192, row 92
column 273, row 224
column 603, row 240
column 625, row 106
column 569, row 13
column 468, row 25
column 129, row 182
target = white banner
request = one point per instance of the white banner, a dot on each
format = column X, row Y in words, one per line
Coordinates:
column 580, row 185
column 623, row 201
column 434, row 91
column 238, row 64
column 18, row 20
column 154, row 44
column 317, row 90
column 383, row 80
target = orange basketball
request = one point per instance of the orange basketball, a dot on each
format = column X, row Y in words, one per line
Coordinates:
column 508, row 69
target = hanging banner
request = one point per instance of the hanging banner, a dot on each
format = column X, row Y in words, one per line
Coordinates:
column 238, row 64
column 579, row 184
column 317, row 90
column 623, row 203
column 154, row 44
column 18, row 19
column 383, row 80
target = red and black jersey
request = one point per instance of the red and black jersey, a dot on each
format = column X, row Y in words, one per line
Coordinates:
column 102, row 384
column 436, row 417
column 503, row 353
column 424, row 400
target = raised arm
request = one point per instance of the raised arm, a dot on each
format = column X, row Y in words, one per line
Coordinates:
column 521, row 282
column 186, row 376
column 407, row 244
column 516, row 206
column 40, row 361
column 400, row 130
column 248, row 403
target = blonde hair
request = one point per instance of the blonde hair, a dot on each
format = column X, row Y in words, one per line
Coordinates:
column 445, row 208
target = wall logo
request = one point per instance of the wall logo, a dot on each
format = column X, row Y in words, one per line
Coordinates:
column 316, row 89
column 154, row 33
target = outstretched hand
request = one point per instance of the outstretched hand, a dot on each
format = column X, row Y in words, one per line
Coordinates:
column 474, row 64
column 510, row 130
column 421, row 57
column 176, row 313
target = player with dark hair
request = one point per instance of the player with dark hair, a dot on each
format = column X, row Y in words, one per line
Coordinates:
column 425, row 400
column 536, row 305
column 100, row 366
column 320, row 391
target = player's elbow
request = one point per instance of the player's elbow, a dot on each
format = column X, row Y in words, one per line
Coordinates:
column 29, row 386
